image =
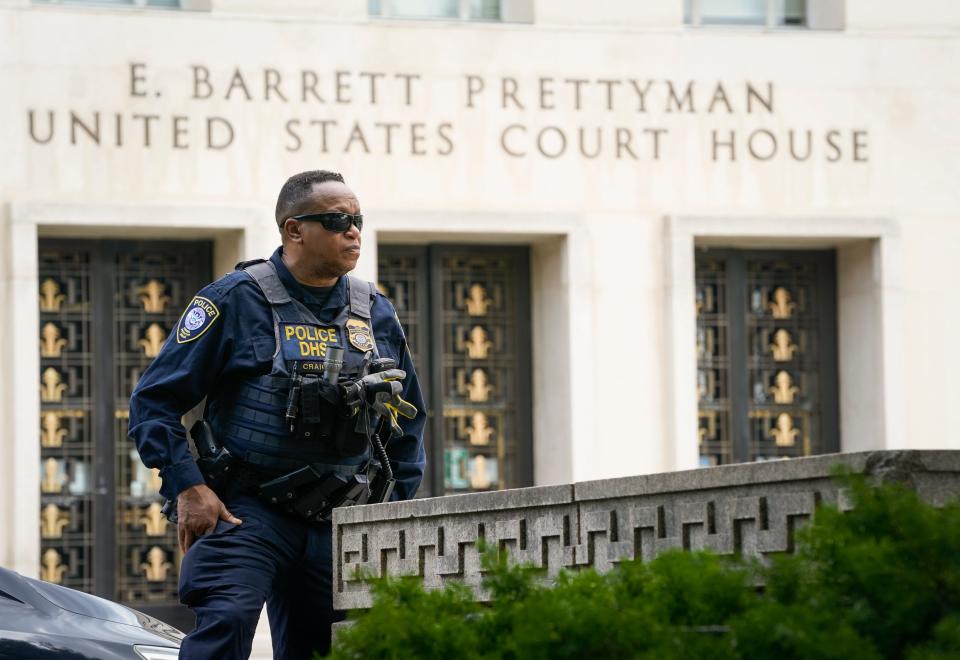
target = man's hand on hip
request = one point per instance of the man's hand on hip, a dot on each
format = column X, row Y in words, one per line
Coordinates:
column 198, row 510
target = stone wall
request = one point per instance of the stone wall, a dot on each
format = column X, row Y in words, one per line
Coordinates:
column 752, row 508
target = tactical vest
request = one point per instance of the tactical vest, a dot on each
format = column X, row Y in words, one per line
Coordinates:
column 249, row 417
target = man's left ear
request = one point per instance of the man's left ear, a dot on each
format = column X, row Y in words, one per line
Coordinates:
column 292, row 230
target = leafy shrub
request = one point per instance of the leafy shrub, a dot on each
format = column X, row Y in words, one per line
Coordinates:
column 880, row 581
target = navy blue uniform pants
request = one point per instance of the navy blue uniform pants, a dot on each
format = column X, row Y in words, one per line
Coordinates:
column 273, row 558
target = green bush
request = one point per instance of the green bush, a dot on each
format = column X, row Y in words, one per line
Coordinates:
column 880, row 581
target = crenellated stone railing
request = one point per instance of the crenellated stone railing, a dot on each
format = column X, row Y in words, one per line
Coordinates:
column 751, row 508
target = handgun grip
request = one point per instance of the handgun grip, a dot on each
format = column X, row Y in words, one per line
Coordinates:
column 202, row 436
column 169, row 510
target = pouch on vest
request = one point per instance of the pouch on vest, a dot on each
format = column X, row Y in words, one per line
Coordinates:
column 325, row 418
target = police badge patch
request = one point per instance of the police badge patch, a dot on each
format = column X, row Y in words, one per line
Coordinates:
column 358, row 332
column 196, row 319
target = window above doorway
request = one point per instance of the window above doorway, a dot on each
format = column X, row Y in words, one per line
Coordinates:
column 766, row 14
column 759, row 13
column 450, row 10
column 158, row 4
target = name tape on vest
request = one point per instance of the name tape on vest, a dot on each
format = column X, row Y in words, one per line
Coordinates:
column 305, row 343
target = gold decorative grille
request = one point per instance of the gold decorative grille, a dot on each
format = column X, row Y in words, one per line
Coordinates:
column 783, row 324
column 105, row 309
column 401, row 280
column 151, row 289
column 766, row 350
column 466, row 314
column 713, row 365
column 478, row 371
column 67, row 452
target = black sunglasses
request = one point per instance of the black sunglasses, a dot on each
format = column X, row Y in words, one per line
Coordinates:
column 335, row 222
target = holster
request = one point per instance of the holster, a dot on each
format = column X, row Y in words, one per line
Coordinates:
column 313, row 496
column 214, row 461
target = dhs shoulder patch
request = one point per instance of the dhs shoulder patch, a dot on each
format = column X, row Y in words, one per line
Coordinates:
column 197, row 318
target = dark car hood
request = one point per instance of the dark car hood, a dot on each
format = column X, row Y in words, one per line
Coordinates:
column 77, row 602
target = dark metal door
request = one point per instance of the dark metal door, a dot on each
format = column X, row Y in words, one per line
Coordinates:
column 466, row 312
column 766, row 354
column 106, row 308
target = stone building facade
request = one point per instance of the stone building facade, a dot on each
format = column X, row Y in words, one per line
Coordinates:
column 626, row 239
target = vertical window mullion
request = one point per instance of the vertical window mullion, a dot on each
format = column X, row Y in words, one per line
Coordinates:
column 423, row 363
column 435, row 403
column 524, row 351
column 829, row 388
column 104, row 512
column 739, row 385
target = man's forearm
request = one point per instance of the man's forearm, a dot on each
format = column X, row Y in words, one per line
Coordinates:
column 162, row 444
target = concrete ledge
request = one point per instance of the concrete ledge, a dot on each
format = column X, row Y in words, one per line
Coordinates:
column 768, row 472
column 457, row 504
column 751, row 508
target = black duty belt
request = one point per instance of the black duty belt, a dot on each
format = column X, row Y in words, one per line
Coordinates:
column 307, row 490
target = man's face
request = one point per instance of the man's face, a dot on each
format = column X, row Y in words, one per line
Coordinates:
column 334, row 254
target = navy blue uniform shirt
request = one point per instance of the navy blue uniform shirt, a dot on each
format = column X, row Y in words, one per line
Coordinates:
column 183, row 374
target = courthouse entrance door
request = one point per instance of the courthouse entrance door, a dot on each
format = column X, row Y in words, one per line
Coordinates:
column 106, row 308
column 466, row 312
column 766, row 354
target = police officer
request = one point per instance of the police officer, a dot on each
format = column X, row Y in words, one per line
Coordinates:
column 261, row 344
